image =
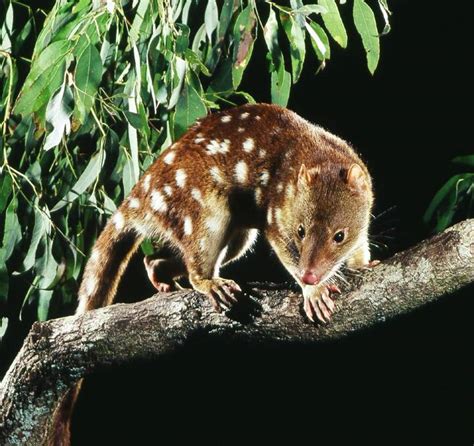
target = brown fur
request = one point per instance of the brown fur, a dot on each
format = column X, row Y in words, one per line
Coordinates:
column 256, row 167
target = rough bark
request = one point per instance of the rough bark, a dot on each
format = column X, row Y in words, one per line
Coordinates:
column 57, row 353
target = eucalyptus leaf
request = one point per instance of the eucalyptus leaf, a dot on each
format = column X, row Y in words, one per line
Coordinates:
column 4, row 278
column 243, row 35
column 366, row 26
column 87, row 79
column 467, row 160
column 319, row 41
column 58, row 111
column 189, row 108
column 5, row 190
column 280, row 86
column 45, row 77
column 296, row 39
column 39, row 231
column 333, row 22
column 12, row 233
column 211, row 18
column 90, row 174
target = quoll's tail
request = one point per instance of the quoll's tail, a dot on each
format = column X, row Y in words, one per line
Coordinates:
column 104, row 269
column 107, row 263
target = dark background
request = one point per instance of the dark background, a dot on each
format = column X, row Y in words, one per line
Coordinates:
column 409, row 380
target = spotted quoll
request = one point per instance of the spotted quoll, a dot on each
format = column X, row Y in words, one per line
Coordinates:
column 249, row 169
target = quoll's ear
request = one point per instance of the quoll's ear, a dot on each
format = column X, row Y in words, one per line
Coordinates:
column 306, row 176
column 357, row 179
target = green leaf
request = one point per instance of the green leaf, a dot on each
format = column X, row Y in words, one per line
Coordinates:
column 227, row 12
column 193, row 60
column 189, row 108
column 4, row 278
column 87, row 79
column 296, row 38
column 57, row 116
column 5, row 190
column 39, row 231
column 270, row 34
column 211, row 18
column 136, row 120
column 243, row 35
column 3, row 326
column 366, row 26
column 89, row 175
column 307, row 10
column 280, row 86
column 385, row 13
column 319, row 41
column 138, row 20
column 12, row 231
column 44, row 79
column 467, row 160
column 333, row 22
column 444, row 201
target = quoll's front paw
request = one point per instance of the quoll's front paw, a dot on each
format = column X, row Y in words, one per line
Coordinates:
column 221, row 292
column 319, row 304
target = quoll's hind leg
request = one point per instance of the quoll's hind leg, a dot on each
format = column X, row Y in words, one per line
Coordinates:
column 162, row 271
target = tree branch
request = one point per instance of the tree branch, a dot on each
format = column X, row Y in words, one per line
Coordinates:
column 59, row 352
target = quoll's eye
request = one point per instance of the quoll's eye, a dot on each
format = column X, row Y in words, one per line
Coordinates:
column 339, row 236
column 301, row 232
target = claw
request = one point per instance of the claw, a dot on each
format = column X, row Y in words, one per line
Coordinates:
column 329, row 302
column 334, row 289
column 308, row 309
column 222, row 293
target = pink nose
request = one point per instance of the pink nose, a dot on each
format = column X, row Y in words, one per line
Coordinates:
column 310, row 278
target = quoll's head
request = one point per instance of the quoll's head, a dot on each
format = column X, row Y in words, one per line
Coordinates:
column 331, row 215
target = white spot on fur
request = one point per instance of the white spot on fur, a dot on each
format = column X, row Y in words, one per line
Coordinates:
column 168, row 190
column 269, row 216
column 290, row 191
column 146, row 183
column 216, row 174
column 91, row 285
column 258, row 195
column 196, row 194
column 214, row 223
column 188, row 225
column 278, row 215
column 118, row 221
column 241, row 171
column 264, row 178
column 202, row 244
column 215, row 146
column 134, row 203
column 244, row 115
column 258, row 118
column 248, row 145
column 181, row 177
column 158, row 202
column 95, row 256
column 262, row 153
column 241, row 130
column 169, row 157
column 226, row 118
column 280, row 187
column 199, row 140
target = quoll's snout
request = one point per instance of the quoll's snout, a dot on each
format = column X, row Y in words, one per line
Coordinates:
column 310, row 278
